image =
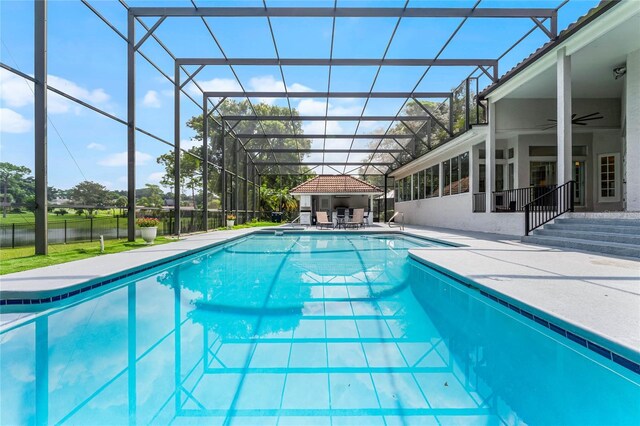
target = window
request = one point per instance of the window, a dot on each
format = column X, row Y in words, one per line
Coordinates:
column 608, row 177
column 511, row 153
column 446, row 171
column 456, row 174
column 464, row 172
column 406, row 190
column 416, row 186
column 431, row 180
column 482, row 178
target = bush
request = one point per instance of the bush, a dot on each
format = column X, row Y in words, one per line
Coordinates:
column 61, row 212
column 147, row 222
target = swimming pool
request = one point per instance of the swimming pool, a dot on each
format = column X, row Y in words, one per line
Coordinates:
column 302, row 329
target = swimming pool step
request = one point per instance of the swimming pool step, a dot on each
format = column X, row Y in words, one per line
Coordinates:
column 567, row 232
column 601, row 247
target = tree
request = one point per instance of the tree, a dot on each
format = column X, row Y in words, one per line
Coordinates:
column 90, row 195
column 190, row 170
column 276, row 199
column 272, row 175
column 15, row 184
column 121, row 202
column 155, row 197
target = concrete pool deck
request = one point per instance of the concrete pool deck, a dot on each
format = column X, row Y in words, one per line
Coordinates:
column 598, row 294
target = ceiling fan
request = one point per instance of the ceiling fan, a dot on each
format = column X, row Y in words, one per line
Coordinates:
column 579, row 121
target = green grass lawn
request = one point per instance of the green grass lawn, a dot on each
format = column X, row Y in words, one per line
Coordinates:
column 22, row 258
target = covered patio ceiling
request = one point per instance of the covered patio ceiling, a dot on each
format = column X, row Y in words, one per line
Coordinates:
column 364, row 128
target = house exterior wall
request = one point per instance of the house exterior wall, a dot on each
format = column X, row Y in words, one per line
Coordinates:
column 519, row 126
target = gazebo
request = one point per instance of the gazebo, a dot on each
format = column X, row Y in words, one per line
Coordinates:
column 331, row 192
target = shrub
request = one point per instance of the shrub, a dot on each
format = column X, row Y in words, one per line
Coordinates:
column 231, row 217
column 147, row 222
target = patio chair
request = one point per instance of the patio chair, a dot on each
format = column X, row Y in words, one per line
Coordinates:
column 357, row 220
column 322, row 220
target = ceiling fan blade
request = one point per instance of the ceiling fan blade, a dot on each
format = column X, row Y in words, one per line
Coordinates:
column 589, row 115
column 573, row 116
column 580, row 124
column 589, row 119
column 552, row 119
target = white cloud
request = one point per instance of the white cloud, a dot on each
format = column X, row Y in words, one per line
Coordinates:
column 189, row 143
column 120, row 159
column 96, row 96
column 18, row 92
column 216, row 85
column 265, row 83
column 155, row 177
column 13, row 122
column 151, row 99
column 15, row 91
column 96, row 146
column 314, row 107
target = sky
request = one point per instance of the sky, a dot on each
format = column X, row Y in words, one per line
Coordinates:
column 87, row 60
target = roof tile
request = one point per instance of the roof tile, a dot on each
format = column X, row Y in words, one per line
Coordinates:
column 335, row 184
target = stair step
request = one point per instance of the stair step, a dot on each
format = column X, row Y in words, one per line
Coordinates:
column 617, row 249
column 625, row 238
column 635, row 223
column 586, row 227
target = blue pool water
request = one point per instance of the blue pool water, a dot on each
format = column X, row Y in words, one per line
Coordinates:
column 316, row 329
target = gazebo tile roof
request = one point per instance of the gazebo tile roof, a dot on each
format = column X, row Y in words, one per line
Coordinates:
column 335, row 184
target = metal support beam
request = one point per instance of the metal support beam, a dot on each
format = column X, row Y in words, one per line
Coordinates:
column 223, row 195
column 149, row 33
column 337, row 62
column 320, row 151
column 191, row 77
column 236, row 181
column 40, row 126
column 347, row 12
column 323, row 118
column 373, row 95
column 384, row 200
column 544, row 29
column 320, row 163
column 176, row 151
column 434, row 118
column 131, row 127
column 246, row 186
column 205, row 164
column 450, row 115
column 320, row 136
column 467, row 105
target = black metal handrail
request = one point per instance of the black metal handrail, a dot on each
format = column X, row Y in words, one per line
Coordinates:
column 548, row 206
column 514, row 200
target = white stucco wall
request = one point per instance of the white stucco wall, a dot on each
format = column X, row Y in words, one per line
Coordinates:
column 454, row 211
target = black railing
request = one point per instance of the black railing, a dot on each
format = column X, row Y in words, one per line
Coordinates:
column 80, row 229
column 514, row 200
column 480, row 202
column 548, row 206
